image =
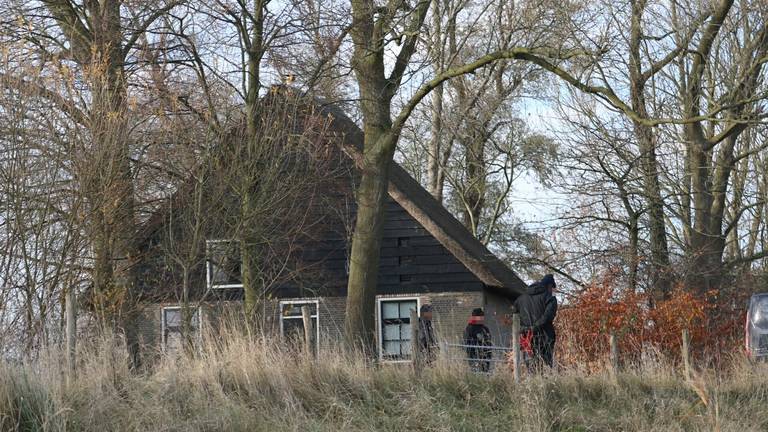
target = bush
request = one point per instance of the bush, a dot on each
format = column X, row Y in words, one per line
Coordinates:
column 585, row 323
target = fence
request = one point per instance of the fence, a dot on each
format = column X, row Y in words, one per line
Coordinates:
column 458, row 352
column 501, row 354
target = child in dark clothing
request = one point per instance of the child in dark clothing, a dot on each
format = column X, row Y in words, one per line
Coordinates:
column 477, row 337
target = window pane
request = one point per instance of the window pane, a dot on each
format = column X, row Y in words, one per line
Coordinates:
column 392, row 332
column 293, row 332
column 173, row 341
column 405, row 348
column 405, row 332
column 224, row 262
column 405, row 308
column 389, row 310
column 392, row 348
column 760, row 311
column 172, row 318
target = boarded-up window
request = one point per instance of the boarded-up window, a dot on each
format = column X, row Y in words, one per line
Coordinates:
column 223, row 264
column 395, row 328
column 172, row 320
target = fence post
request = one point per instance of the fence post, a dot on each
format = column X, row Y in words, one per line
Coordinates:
column 306, row 316
column 516, row 346
column 614, row 355
column 71, row 332
column 415, row 348
column 686, row 354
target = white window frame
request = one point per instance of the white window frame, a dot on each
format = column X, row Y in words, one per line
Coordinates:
column 198, row 330
column 315, row 316
column 379, row 333
column 208, row 281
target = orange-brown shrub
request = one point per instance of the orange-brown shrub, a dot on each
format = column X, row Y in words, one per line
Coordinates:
column 586, row 321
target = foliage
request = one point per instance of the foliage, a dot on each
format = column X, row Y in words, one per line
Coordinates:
column 642, row 328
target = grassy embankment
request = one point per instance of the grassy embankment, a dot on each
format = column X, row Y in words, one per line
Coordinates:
column 243, row 385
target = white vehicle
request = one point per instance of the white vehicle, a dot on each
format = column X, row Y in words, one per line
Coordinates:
column 757, row 327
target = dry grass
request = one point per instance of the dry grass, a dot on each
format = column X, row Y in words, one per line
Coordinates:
column 246, row 384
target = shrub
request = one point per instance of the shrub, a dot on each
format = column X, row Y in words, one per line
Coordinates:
column 585, row 323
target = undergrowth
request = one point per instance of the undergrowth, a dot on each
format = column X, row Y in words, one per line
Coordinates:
column 245, row 384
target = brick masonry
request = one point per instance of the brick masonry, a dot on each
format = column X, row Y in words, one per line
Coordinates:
column 450, row 311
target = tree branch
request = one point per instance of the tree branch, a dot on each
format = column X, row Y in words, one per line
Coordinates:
column 148, row 22
column 30, row 88
column 409, row 47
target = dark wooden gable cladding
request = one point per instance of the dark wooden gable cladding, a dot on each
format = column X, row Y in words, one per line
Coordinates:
column 414, row 261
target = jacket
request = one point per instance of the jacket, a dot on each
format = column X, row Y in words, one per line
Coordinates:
column 427, row 340
column 477, row 336
column 537, row 309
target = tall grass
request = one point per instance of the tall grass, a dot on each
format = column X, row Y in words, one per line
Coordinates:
column 247, row 383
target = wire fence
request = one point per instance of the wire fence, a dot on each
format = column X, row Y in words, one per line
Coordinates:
column 454, row 352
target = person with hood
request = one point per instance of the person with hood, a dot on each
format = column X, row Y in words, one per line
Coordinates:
column 427, row 339
column 537, row 309
column 476, row 338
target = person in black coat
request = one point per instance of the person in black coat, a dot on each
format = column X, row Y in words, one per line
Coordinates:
column 537, row 309
column 476, row 337
column 427, row 339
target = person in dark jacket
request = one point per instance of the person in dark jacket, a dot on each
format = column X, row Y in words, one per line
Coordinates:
column 537, row 309
column 477, row 337
column 427, row 340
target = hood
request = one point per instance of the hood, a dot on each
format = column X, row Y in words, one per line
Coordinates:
column 536, row 289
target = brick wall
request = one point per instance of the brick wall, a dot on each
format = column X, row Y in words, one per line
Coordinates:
column 450, row 314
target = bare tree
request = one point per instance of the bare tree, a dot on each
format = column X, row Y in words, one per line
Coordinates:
column 377, row 86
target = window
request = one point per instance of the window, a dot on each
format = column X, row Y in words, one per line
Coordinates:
column 395, row 327
column 172, row 328
column 223, row 264
column 292, row 321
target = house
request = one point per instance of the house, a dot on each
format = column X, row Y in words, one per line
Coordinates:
column 427, row 256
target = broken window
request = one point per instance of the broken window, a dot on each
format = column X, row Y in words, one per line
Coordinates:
column 292, row 322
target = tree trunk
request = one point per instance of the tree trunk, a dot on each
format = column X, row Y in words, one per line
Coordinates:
column 71, row 333
column 661, row 272
column 709, row 187
column 434, row 152
column 646, row 139
column 109, row 187
column 434, row 179
column 474, row 193
column 366, row 247
column 634, row 257
column 252, row 284
column 249, row 254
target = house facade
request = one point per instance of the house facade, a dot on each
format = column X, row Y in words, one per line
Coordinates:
column 427, row 256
